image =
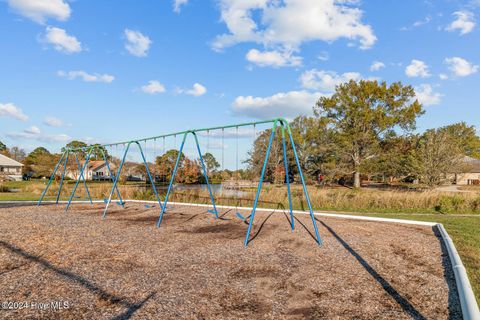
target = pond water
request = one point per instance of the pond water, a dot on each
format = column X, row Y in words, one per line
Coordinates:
column 216, row 189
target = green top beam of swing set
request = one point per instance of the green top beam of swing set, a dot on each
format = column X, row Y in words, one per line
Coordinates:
column 274, row 121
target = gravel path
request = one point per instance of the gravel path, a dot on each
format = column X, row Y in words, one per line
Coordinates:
column 195, row 267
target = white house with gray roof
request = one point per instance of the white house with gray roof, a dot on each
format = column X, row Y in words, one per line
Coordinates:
column 10, row 169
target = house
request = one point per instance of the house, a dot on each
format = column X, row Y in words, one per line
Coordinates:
column 95, row 170
column 470, row 172
column 10, row 169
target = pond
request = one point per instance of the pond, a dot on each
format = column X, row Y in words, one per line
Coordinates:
column 217, row 189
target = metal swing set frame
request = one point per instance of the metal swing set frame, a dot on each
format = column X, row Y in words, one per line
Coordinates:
column 276, row 123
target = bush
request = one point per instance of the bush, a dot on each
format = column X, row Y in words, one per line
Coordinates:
column 449, row 204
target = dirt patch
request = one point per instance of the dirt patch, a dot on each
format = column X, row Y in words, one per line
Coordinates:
column 196, row 267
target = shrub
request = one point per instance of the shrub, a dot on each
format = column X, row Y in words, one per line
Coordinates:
column 449, row 204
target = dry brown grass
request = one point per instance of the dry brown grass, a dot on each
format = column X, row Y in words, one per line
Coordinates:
column 336, row 199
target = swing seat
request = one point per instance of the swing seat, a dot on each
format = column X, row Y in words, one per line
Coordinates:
column 241, row 217
column 117, row 202
column 148, row 206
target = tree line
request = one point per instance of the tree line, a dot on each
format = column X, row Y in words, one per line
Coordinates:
column 366, row 130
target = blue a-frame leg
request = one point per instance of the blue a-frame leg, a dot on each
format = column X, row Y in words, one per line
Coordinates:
column 51, row 178
column 205, row 173
column 105, row 159
column 287, row 178
column 172, row 179
column 63, row 177
column 79, row 177
column 262, row 175
column 174, row 173
column 117, row 177
column 260, row 182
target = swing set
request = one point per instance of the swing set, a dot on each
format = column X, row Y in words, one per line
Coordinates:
column 278, row 123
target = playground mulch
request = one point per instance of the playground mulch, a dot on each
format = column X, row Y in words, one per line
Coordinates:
column 196, row 267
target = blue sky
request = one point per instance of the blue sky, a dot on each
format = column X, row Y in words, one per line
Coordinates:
column 104, row 71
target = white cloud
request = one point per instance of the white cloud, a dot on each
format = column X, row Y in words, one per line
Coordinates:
column 417, row 68
column 464, row 22
column 231, row 133
column 377, row 65
column 34, row 133
column 197, row 90
column 52, row 122
column 153, row 87
column 137, row 44
column 418, row 23
column 326, row 81
column 87, row 77
column 443, row 76
column 286, row 104
column 62, row 41
column 288, row 24
column 40, row 10
column 12, row 111
column 177, row 4
column 427, row 96
column 33, row 130
column 273, row 58
column 460, row 67
column 324, row 56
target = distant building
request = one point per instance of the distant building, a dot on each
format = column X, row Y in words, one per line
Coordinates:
column 96, row 170
column 10, row 169
column 470, row 174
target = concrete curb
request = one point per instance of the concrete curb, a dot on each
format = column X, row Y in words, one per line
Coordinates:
column 468, row 302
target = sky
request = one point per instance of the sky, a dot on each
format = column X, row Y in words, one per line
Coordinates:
column 106, row 71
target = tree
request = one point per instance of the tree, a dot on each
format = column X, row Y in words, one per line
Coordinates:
column 75, row 144
column 17, row 153
column 466, row 138
column 97, row 153
column 257, row 155
column 437, row 153
column 315, row 148
column 394, row 159
column 361, row 114
column 3, row 147
column 210, row 162
column 140, row 169
column 189, row 172
column 166, row 162
column 33, row 158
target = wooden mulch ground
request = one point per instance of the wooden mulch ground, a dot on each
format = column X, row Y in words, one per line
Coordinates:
column 196, row 267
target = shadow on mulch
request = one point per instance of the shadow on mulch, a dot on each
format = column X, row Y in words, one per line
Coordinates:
column 454, row 308
column 131, row 307
column 17, row 205
column 453, row 299
column 403, row 302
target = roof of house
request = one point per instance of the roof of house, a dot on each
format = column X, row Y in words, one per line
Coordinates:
column 473, row 164
column 9, row 162
column 94, row 164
